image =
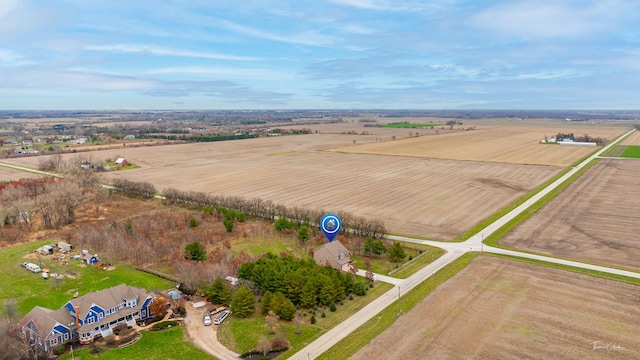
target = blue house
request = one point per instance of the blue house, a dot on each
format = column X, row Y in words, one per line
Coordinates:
column 87, row 317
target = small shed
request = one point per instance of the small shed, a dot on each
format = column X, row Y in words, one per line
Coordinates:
column 121, row 162
column 65, row 246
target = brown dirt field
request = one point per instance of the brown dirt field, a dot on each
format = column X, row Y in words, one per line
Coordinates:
column 424, row 197
column 505, row 144
column 8, row 174
column 596, row 219
column 633, row 139
column 513, row 310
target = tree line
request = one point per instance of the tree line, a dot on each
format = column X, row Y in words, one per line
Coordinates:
column 358, row 225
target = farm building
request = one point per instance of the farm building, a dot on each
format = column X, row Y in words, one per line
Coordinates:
column 45, row 250
column 333, row 254
column 121, row 162
column 86, row 318
column 64, row 246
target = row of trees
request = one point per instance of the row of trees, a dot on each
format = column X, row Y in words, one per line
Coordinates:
column 360, row 226
column 584, row 138
column 135, row 188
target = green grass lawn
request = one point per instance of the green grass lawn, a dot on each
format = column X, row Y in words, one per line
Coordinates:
column 404, row 268
column 154, row 345
column 242, row 335
column 30, row 289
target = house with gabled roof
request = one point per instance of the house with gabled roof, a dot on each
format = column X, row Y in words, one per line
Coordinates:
column 87, row 317
column 121, row 162
column 333, row 254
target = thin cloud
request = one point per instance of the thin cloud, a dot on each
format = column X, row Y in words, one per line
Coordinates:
column 301, row 38
column 542, row 20
column 150, row 49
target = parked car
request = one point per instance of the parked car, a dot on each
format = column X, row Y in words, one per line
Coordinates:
column 223, row 315
column 207, row 320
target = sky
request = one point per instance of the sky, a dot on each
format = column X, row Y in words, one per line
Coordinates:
column 320, row 54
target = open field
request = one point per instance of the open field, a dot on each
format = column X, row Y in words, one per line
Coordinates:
column 8, row 174
column 632, row 140
column 434, row 198
column 504, row 144
column 423, row 197
column 596, row 219
column 513, row 310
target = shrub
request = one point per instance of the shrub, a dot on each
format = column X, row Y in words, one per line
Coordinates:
column 350, row 297
column 332, row 307
column 360, row 289
column 97, row 350
column 323, row 315
column 313, row 319
column 59, row 349
column 163, row 325
column 193, row 222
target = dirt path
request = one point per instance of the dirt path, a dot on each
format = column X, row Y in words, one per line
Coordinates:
column 205, row 337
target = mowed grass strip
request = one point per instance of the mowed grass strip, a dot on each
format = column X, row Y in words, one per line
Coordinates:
column 29, row 289
column 154, row 345
column 374, row 327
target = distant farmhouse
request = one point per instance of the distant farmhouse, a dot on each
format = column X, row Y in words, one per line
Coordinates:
column 333, row 254
column 87, row 317
column 121, row 162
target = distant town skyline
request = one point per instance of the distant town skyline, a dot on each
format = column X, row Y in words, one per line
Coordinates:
column 326, row 54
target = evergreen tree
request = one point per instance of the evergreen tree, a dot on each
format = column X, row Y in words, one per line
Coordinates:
column 397, row 252
column 283, row 307
column 243, row 303
column 265, row 304
column 195, row 251
column 308, row 296
column 218, row 292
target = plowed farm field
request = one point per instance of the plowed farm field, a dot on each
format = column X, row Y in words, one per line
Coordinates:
column 432, row 197
column 596, row 219
column 504, row 144
column 513, row 310
column 633, row 139
column 8, row 174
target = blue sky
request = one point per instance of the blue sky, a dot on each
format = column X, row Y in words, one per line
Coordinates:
column 339, row 54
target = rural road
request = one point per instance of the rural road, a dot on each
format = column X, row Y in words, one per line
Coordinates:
column 26, row 169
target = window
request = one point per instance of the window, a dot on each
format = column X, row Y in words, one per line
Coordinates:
column 66, row 336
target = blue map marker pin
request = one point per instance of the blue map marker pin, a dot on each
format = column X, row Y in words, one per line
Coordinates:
column 330, row 226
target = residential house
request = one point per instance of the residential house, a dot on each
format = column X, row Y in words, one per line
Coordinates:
column 333, row 254
column 87, row 317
